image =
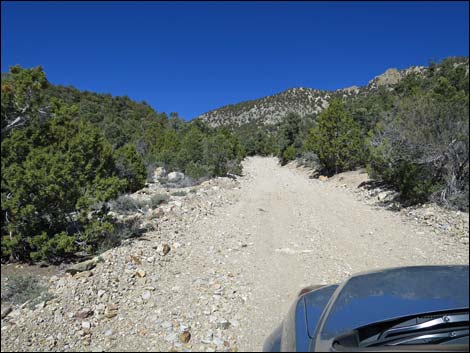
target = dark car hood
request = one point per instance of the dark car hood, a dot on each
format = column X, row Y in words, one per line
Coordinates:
column 392, row 293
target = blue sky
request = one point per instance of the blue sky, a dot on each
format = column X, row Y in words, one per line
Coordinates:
column 191, row 57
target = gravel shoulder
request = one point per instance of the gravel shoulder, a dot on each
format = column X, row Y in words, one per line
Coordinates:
column 240, row 251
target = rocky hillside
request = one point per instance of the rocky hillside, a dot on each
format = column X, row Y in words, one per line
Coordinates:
column 303, row 101
column 270, row 109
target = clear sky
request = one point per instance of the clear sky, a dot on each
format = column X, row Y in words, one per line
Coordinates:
column 191, row 57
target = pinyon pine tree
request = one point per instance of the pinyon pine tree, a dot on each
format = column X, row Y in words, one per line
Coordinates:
column 337, row 139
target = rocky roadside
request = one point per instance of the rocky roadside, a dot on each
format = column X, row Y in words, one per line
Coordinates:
column 139, row 292
column 442, row 221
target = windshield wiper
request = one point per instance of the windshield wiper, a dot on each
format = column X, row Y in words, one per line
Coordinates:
column 441, row 329
column 443, row 321
column 436, row 329
column 430, row 338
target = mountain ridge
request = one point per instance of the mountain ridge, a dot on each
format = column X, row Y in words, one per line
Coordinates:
column 271, row 109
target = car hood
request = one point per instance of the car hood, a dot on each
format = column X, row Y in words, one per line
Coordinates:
column 393, row 293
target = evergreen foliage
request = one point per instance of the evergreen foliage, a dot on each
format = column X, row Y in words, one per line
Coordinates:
column 421, row 145
column 337, row 139
column 66, row 153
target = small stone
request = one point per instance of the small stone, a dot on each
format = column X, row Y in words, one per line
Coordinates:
column 110, row 314
column 166, row 249
column 223, row 324
column 83, row 314
column 108, row 333
column 41, row 305
column 140, row 273
column 101, row 292
column 83, row 274
column 86, row 325
column 185, row 337
column 87, row 340
column 429, row 213
column 135, row 259
column 146, row 295
column 111, row 311
column 382, row 195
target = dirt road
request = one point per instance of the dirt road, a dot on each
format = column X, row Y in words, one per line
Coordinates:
column 306, row 232
column 239, row 256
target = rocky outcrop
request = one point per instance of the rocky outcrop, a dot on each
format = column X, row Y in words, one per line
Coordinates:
column 175, row 177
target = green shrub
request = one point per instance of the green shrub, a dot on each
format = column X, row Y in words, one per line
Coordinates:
column 196, row 170
column 337, row 140
column 126, row 204
column 130, row 166
column 20, row 289
column 310, row 160
column 289, row 154
column 52, row 173
column 121, row 231
column 157, row 200
column 421, row 146
column 179, row 193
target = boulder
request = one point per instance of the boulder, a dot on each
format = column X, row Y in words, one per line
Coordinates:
column 160, row 172
column 174, row 177
column 382, row 195
column 84, row 266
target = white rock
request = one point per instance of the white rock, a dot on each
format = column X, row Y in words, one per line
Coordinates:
column 146, row 295
column 159, row 173
column 174, row 177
